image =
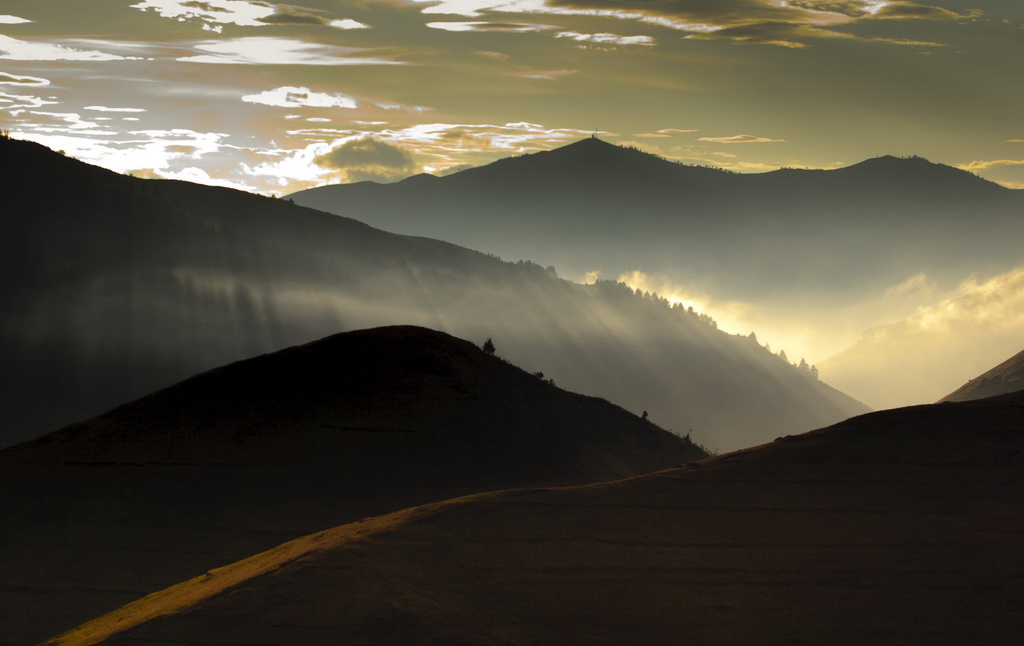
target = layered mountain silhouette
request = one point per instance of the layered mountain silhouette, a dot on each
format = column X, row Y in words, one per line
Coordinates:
column 116, row 286
column 1007, row 377
column 236, row 460
column 592, row 205
column 896, row 527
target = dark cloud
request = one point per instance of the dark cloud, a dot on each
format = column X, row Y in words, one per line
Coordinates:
column 787, row 24
column 780, row 34
column 292, row 18
column 715, row 12
column 369, row 159
column 203, row 6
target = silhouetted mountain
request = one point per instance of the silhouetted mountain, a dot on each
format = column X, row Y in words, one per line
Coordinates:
column 238, row 459
column 900, row 527
column 595, row 206
column 116, row 286
column 1007, row 377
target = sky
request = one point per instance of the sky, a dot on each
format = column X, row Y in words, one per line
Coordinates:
column 273, row 98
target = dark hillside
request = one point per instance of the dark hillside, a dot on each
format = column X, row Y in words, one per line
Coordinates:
column 899, row 527
column 243, row 457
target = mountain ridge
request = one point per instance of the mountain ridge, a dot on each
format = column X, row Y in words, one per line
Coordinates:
column 592, row 205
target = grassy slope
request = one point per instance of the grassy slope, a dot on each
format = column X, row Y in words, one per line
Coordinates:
column 895, row 527
column 242, row 458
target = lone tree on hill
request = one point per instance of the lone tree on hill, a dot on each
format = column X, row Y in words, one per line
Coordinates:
column 489, row 346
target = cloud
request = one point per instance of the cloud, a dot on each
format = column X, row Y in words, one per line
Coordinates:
column 213, row 14
column 262, row 50
column 347, row 23
column 12, row 20
column 977, row 166
column 770, row 22
column 28, row 81
column 72, row 120
column 103, row 108
column 663, row 133
column 912, row 11
column 498, row 27
column 296, row 97
column 930, row 353
column 13, row 49
column 606, row 39
column 14, row 102
column 296, row 16
column 369, row 159
column 498, row 56
column 741, row 139
column 476, row 8
column 544, row 75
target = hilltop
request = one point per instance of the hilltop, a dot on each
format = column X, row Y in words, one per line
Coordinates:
column 238, row 459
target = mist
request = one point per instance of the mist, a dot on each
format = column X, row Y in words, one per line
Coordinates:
column 119, row 286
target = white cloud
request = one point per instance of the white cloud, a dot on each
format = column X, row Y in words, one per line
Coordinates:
column 402, row 106
column 103, row 108
column 544, row 75
column 297, row 97
column 25, row 81
column 212, row 13
column 475, row 8
column 13, row 49
column 606, row 39
column 294, row 169
column 260, row 50
column 499, row 27
column 200, row 176
column 347, row 23
column 741, row 139
column 18, row 102
column 663, row 133
column 12, row 20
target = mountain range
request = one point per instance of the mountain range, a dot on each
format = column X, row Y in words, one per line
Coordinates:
column 895, row 527
column 117, row 286
column 238, row 459
column 592, row 205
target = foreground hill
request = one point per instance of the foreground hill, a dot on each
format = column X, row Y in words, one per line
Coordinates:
column 899, row 527
column 592, row 205
column 1007, row 377
column 116, row 286
column 239, row 459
